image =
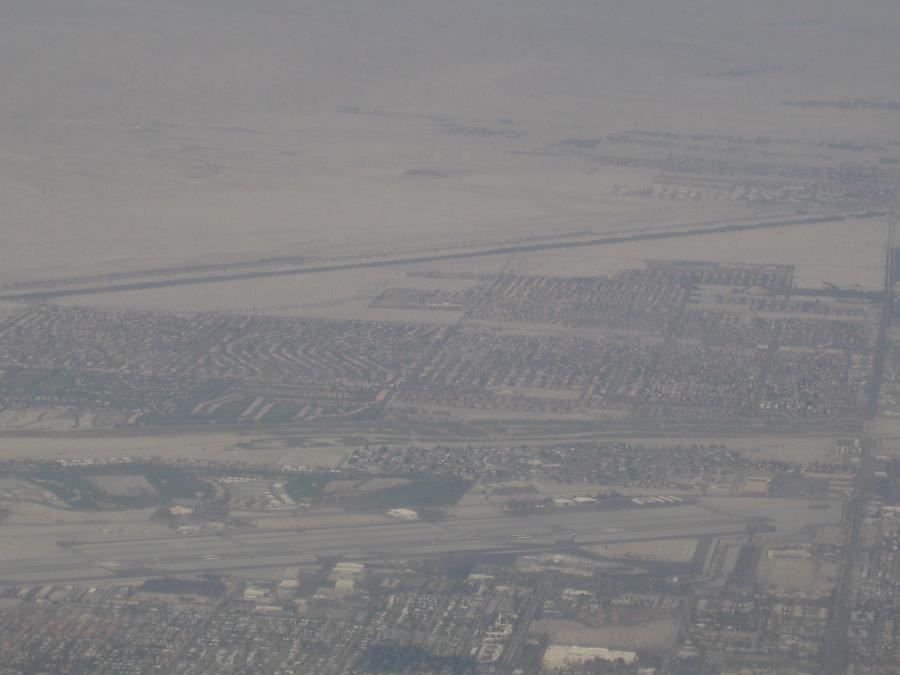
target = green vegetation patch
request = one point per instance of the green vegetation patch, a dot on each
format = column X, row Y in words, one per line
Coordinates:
column 307, row 486
column 176, row 586
column 397, row 658
column 439, row 491
column 45, row 383
column 73, row 485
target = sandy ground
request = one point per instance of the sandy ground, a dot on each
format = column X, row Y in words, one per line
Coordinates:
column 33, row 530
column 46, row 419
column 212, row 447
column 313, row 129
column 8, row 308
column 848, row 253
column 646, row 635
column 790, row 515
column 797, row 576
column 329, row 295
column 670, row 550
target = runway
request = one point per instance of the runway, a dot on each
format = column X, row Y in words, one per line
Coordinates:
column 241, row 552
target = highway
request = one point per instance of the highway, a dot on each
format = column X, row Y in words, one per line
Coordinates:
column 836, row 649
column 61, row 292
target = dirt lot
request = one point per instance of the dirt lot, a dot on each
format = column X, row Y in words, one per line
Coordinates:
column 645, row 635
column 669, row 550
column 253, row 448
column 797, row 576
column 33, row 530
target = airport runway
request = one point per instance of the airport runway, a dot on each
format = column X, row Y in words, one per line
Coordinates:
column 243, row 551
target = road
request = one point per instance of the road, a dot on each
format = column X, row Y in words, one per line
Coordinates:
column 50, row 294
column 836, row 649
column 687, row 614
column 532, row 605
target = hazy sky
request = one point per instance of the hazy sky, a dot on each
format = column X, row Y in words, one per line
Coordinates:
column 139, row 132
column 218, row 60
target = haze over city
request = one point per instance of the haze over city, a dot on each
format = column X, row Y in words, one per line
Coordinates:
column 457, row 338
